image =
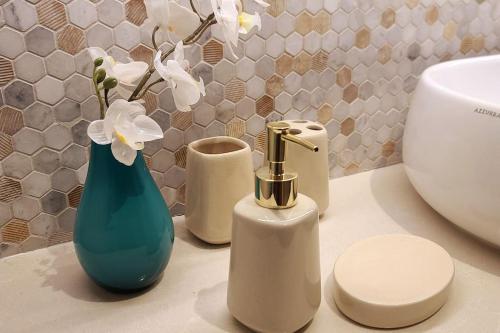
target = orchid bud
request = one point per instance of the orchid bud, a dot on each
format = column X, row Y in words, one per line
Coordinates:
column 110, row 83
column 98, row 62
column 99, row 75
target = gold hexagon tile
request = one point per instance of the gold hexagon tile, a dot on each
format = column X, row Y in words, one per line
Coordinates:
column 59, row 237
column 319, row 61
column 412, row 3
column 302, row 63
column 351, row 169
column 261, row 141
column 150, row 102
column 71, row 39
column 363, row 38
column 274, row 85
column 450, row 30
column 276, row 7
column 15, row 231
column 52, row 14
column 181, row 157
column 344, row 76
column 478, row 44
column 303, row 23
column 388, row 18
column 235, row 90
column 182, row 120
column 388, row 148
column 142, row 53
column 325, row 113
column 284, row 65
column 6, row 71
column 9, row 189
column 347, row 126
column 321, row 22
column 5, row 145
column 74, row 196
column 466, row 45
column 264, row 106
column 432, row 15
column 384, row 54
column 350, row 93
column 11, row 120
column 235, row 128
column 213, row 52
column 135, row 11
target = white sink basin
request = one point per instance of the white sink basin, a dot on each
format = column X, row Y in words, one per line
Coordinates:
column 451, row 145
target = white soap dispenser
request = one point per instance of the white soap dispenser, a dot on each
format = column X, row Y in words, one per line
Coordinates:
column 274, row 276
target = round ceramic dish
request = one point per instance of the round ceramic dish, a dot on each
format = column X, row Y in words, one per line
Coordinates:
column 392, row 281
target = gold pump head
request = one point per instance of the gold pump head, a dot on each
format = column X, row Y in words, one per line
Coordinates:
column 275, row 186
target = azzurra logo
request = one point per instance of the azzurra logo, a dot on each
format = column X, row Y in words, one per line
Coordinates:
column 487, row 112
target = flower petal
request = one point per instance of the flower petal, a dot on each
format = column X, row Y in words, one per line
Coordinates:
column 262, row 3
column 179, row 52
column 182, row 21
column 158, row 11
column 247, row 22
column 160, row 67
column 127, row 133
column 122, row 152
column 97, row 52
column 201, row 85
column 147, row 129
column 185, row 90
column 96, row 132
column 120, row 111
column 130, row 72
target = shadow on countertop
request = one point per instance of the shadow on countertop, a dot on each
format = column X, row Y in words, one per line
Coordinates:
column 412, row 213
column 183, row 233
column 213, row 309
column 62, row 272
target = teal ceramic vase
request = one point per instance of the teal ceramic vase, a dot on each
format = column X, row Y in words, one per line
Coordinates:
column 124, row 232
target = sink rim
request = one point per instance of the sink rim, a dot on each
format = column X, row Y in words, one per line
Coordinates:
column 429, row 79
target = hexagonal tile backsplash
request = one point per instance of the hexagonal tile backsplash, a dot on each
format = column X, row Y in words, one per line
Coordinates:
column 350, row 64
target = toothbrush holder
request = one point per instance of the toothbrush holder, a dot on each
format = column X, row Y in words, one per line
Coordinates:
column 219, row 172
column 312, row 167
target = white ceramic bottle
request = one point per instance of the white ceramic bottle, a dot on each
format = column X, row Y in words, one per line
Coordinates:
column 274, row 277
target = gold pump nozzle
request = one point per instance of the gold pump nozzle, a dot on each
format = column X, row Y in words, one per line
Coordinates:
column 276, row 187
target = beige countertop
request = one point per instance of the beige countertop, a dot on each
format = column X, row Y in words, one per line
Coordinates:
column 47, row 291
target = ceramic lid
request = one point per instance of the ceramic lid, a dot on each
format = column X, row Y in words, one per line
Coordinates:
column 392, row 281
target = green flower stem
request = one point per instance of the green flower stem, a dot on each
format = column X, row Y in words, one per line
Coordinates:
column 106, row 93
column 149, row 86
column 191, row 39
column 153, row 37
column 195, row 10
column 98, row 92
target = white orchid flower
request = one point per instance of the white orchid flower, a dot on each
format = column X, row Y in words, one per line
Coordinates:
column 229, row 14
column 126, row 73
column 126, row 127
column 262, row 3
column 185, row 89
column 172, row 18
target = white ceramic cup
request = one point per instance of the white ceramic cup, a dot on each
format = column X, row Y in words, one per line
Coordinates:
column 219, row 172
